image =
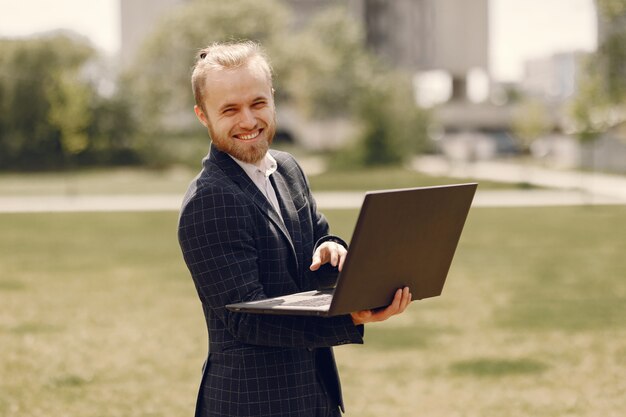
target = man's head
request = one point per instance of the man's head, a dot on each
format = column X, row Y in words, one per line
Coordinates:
column 232, row 85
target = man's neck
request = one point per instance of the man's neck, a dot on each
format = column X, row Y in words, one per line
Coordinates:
column 261, row 163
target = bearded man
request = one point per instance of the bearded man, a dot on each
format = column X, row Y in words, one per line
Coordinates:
column 249, row 229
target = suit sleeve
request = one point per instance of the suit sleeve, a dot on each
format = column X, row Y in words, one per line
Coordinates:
column 216, row 237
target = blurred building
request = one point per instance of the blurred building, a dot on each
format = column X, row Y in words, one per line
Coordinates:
column 426, row 35
column 444, row 43
column 609, row 153
column 553, row 78
column 304, row 10
column 419, row 35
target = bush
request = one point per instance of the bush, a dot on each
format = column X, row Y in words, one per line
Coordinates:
column 51, row 115
column 393, row 128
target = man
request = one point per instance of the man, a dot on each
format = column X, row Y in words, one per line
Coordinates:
column 249, row 229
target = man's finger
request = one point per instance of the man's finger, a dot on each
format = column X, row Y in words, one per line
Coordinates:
column 342, row 259
column 406, row 299
column 334, row 257
column 391, row 308
column 320, row 257
column 401, row 300
column 397, row 302
column 316, row 261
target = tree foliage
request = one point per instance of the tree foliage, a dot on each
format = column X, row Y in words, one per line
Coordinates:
column 323, row 70
column 160, row 76
column 27, row 70
column 393, row 128
column 50, row 110
column 531, row 121
column 69, row 111
column 591, row 109
column 601, row 100
column 319, row 67
column 329, row 67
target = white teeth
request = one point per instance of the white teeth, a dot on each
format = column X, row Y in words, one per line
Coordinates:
column 250, row 136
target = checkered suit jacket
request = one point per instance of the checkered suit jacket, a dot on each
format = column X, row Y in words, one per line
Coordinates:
column 237, row 249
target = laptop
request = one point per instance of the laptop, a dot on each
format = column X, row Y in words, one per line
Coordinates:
column 403, row 237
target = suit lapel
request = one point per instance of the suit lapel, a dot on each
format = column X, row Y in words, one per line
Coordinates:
column 288, row 210
column 238, row 175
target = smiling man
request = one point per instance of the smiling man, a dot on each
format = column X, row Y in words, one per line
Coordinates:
column 249, row 229
column 239, row 109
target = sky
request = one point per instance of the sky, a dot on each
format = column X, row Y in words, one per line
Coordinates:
column 99, row 20
column 526, row 29
column 519, row 29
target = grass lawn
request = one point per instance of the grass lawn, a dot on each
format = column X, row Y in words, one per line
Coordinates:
column 97, row 181
column 389, row 177
column 99, row 317
column 175, row 181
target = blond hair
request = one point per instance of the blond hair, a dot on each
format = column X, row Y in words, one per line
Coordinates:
column 225, row 55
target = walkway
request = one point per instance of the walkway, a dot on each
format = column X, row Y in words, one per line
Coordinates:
column 595, row 184
column 325, row 200
column 566, row 188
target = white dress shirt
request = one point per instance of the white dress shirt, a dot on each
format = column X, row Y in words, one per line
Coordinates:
column 260, row 175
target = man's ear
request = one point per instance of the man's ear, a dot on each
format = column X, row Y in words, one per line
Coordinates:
column 201, row 116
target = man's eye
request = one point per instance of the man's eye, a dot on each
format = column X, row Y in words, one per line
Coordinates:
column 259, row 104
column 228, row 111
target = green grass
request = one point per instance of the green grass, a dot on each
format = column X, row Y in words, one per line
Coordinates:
column 175, row 181
column 97, row 181
column 498, row 367
column 99, row 317
column 387, row 177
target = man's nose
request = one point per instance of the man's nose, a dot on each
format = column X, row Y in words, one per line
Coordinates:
column 247, row 120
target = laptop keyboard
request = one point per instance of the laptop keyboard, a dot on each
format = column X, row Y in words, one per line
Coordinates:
column 318, row 300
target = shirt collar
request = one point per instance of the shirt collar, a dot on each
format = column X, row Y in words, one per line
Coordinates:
column 266, row 166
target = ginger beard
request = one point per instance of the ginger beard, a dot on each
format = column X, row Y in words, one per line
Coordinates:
column 251, row 150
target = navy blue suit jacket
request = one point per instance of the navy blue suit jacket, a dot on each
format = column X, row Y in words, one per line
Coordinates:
column 238, row 249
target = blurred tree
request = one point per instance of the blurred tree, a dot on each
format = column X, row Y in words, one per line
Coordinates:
column 601, row 100
column 530, row 121
column 393, row 128
column 590, row 109
column 112, row 133
column 323, row 70
column 160, row 76
column 50, row 113
column 333, row 75
column 27, row 70
column 610, row 58
column 328, row 67
column 600, row 103
column 591, row 113
column 69, row 110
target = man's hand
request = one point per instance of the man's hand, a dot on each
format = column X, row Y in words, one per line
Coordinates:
column 331, row 252
column 400, row 301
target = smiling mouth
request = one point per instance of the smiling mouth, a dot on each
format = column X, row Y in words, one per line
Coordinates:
column 249, row 136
